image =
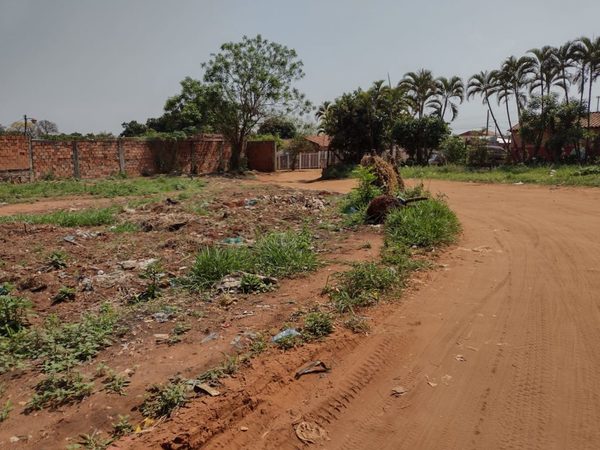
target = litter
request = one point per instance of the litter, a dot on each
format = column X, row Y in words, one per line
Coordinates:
column 460, row 358
column 210, row 337
column 399, row 391
column 203, row 388
column 312, row 367
column 288, row 332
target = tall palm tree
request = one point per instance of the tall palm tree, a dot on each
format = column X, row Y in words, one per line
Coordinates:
column 519, row 71
column 483, row 84
column 587, row 54
column 503, row 82
column 420, row 88
column 563, row 59
column 545, row 71
column 447, row 90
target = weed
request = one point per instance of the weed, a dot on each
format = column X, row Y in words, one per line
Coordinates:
column 258, row 345
column 5, row 411
column 153, row 273
column 362, row 285
column 122, row 427
column 357, row 325
column 424, row 224
column 284, row 254
column 57, row 260
column 251, row 283
column 212, row 375
column 231, row 364
column 179, row 330
column 125, row 227
column 317, row 324
column 83, row 218
column 58, row 390
column 13, row 314
column 94, row 441
column 213, row 263
column 102, row 370
column 64, row 294
column 366, row 191
column 116, row 383
column 161, row 400
column 289, row 342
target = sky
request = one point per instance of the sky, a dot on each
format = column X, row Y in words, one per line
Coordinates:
column 90, row 65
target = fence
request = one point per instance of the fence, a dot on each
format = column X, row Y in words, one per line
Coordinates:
column 23, row 159
column 312, row 160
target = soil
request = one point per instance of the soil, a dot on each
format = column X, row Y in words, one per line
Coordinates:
column 498, row 348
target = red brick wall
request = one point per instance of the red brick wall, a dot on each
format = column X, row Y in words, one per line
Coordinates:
column 13, row 153
column 261, row 155
column 100, row 159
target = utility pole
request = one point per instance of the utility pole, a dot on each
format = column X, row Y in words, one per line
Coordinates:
column 597, row 103
column 25, row 130
column 487, row 123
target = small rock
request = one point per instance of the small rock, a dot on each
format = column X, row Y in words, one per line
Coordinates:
column 243, row 428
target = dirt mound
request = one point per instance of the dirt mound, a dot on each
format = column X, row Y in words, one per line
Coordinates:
column 388, row 176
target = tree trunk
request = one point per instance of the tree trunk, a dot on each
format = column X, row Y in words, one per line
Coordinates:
column 236, row 156
column 565, row 85
column 494, row 119
column 589, row 115
column 509, row 123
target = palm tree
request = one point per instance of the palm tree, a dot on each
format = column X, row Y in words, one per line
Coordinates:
column 544, row 70
column 563, row 59
column 502, row 80
column 587, row 54
column 519, row 71
column 448, row 89
column 484, row 85
column 420, row 90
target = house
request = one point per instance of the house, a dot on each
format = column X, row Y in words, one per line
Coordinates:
column 320, row 142
column 491, row 137
column 545, row 153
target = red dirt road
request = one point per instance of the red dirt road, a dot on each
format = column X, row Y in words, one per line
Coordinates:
column 498, row 349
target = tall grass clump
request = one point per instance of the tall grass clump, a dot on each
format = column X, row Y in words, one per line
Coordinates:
column 425, row 224
column 83, row 218
column 284, row 254
column 279, row 254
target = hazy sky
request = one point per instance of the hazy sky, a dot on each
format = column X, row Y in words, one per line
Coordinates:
column 90, row 65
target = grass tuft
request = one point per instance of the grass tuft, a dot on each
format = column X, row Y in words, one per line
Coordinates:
column 83, row 218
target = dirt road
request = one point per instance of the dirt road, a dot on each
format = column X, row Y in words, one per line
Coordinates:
column 498, row 349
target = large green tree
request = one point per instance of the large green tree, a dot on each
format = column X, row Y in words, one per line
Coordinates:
column 420, row 136
column 249, row 81
column 421, row 90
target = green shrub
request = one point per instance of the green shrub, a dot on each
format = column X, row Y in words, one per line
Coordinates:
column 424, row 224
column 13, row 314
column 318, row 324
column 366, row 190
column 478, row 155
column 57, row 260
column 454, row 149
column 337, row 171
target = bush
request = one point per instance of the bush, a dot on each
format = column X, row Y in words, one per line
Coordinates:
column 454, row 149
column 424, row 224
column 359, row 197
column 59, row 390
column 337, row 171
column 13, row 314
column 478, row 155
column 317, row 324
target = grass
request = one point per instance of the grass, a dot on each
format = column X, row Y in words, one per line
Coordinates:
column 362, row 285
column 571, row 175
column 107, row 188
column 84, row 218
column 278, row 254
column 317, row 325
column 424, row 224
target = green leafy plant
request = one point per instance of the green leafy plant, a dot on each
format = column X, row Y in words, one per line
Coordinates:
column 357, row 325
column 94, row 441
column 116, row 383
column 213, row 263
column 5, row 411
column 64, row 294
column 122, row 427
column 58, row 390
column 13, row 314
column 253, row 283
column 317, row 324
column 57, row 260
column 161, row 400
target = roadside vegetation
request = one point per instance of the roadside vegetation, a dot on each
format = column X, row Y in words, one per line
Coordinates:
column 107, row 188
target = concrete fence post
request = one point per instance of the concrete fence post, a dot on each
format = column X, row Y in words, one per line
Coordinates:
column 30, row 156
column 121, row 156
column 75, row 158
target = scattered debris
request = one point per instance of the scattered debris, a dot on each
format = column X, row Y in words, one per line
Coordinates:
column 233, row 240
column 446, row 379
column 210, row 337
column 310, row 433
column 171, row 202
column 250, row 202
column 287, row 333
column 142, row 264
column 161, row 317
column 460, row 358
column 33, row 284
column 245, row 282
column 312, row 367
column 161, row 338
column 399, row 391
column 203, row 388
column 243, row 428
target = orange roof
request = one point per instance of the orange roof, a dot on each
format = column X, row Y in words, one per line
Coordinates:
column 478, row 133
column 322, row 140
